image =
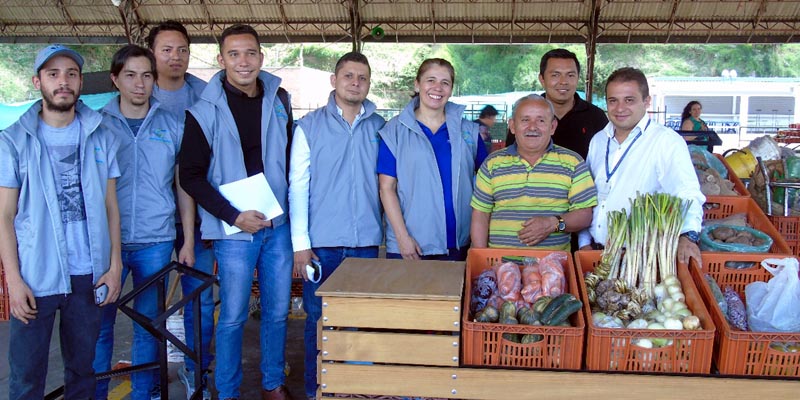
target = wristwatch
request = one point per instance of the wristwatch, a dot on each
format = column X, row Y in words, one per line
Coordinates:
column 693, row 236
column 561, row 226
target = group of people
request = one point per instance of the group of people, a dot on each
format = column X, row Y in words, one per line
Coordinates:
column 87, row 197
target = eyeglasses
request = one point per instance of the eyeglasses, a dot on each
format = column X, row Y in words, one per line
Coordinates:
column 314, row 271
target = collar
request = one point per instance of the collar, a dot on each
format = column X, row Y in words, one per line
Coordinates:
column 641, row 126
column 235, row 91
column 512, row 150
column 359, row 115
column 578, row 104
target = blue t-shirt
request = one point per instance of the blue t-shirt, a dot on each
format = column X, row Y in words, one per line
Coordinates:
column 63, row 150
column 387, row 165
column 134, row 124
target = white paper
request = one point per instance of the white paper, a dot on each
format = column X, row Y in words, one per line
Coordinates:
column 251, row 193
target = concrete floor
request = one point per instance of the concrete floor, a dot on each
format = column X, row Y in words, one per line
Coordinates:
column 120, row 388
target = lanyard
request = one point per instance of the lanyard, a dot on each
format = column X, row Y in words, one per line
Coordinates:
column 610, row 173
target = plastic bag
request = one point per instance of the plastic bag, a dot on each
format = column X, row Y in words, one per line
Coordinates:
column 708, row 244
column 773, row 306
column 701, row 157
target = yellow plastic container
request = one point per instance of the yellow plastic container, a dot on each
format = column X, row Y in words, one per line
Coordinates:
column 742, row 162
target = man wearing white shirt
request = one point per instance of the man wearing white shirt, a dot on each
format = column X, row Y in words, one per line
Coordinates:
column 634, row 154
column 333, row 189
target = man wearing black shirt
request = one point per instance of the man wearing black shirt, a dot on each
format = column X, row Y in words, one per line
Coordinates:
column 239, row 129
column 578, row 120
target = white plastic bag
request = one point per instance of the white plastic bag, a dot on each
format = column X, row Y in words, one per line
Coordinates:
column 773, row 306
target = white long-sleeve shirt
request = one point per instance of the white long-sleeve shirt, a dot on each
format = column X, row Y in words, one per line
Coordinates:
column 652, row 159
column 299, row 179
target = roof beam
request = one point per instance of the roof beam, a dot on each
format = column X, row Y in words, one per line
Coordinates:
column 672, row 15
column 131, row 21
column 209, row 20
column 65, row 13
column 353, row 8
column 759, row 13
column 284, row 20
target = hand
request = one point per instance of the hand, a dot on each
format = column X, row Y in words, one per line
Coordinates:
column 23, row 304
column 536, row 229
column 301, row 259
column 186, row 254
column 688, row 249
column 409, row 248
column 252, row 221
column 112, row 279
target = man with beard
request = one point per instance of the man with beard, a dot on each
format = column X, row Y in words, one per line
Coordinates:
column 59, row 228
column 334, row 151
column 149, row 138
column 534, row 192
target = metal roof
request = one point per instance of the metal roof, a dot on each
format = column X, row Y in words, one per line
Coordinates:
column 460, row 21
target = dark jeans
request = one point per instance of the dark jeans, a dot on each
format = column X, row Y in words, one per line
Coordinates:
column 29, row 348
column 330, row 258
column 452, row 255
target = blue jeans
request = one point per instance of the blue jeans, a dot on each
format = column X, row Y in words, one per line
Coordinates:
column 144, row 262
column 204, row 262
column 270, row 252
column 330, row 258
column 452, row 255
column 29, row 348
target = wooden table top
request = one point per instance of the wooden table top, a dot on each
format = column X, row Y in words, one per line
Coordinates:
column 396, row 279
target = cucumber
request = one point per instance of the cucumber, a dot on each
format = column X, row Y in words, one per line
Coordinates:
column 562, row 314
column 560, row 309
column 555, row 304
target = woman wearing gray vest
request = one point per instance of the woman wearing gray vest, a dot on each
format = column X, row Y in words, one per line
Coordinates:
column 426, row 166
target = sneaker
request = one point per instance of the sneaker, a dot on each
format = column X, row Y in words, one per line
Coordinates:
column 187, row 379
column 155, row 393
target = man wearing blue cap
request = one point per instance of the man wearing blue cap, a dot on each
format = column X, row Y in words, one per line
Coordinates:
column 59, row 228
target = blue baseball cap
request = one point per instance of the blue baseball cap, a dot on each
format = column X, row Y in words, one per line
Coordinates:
column 53, row 50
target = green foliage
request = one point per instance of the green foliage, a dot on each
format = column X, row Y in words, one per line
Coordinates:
column 480, row 69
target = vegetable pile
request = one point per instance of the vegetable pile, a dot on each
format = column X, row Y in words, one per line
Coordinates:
column 712, row 183
column 726, row 234
column 635, row 285
column 534, row 295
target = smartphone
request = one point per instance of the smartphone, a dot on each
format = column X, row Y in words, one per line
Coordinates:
column 100, row 294
column 314, row 271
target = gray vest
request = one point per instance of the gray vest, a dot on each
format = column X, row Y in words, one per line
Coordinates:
column 419, row 186
column 227, row 161
column 344, row 206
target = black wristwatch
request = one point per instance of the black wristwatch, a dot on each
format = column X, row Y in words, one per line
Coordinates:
column 561, row 226
column 693, row 236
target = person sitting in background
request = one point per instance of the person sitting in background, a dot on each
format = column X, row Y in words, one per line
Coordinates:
column 486, row 121
column 532, row 193
column 690, row 117
column 426, row 167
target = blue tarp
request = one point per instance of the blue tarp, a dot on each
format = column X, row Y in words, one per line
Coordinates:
column 11, row 113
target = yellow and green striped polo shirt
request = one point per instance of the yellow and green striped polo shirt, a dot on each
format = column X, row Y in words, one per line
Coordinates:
column 512, row 191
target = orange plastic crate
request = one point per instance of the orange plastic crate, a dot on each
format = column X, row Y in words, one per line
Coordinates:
column 789, row 228
column 610, row 349
column 483, row 344
column 739, row 352
column 722, row 207
column 738, row 185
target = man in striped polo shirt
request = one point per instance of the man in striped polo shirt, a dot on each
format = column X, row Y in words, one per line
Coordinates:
column 532, row 193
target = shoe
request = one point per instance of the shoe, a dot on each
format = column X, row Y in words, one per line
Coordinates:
column 279, row 393
column 187, row 379
column 155, row 393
